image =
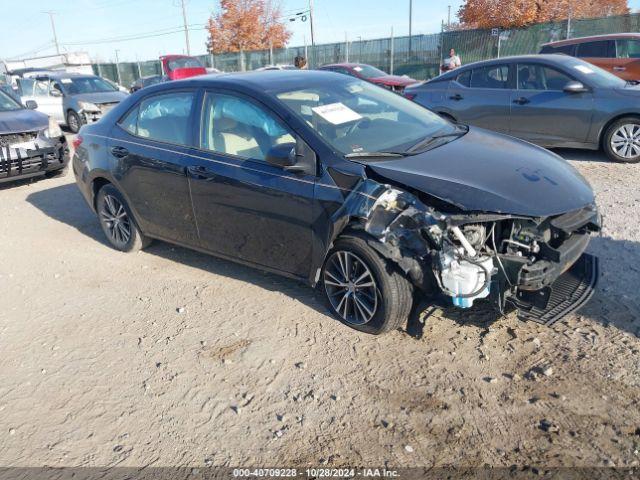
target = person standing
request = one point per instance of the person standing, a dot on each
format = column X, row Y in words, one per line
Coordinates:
column 453, row 61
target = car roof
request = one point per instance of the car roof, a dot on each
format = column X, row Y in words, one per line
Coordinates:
column 348, row 65
column 256, row 81
column 56, row 76
column 610, row 36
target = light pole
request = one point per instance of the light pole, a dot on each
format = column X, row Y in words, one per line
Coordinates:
column 313, row 42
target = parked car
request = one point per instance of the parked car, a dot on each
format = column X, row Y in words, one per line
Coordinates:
column 371, row 74
column 333, row 181
column 146, row 82
column 30, row 142
column 71, row 99
column 550, row 100
column 177, row 67
column 276, row 67
column 617, row 53
column 116, row 85
column 9, row 90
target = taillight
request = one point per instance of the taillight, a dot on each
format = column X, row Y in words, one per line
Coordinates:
column 77, row 142
column 410, row 96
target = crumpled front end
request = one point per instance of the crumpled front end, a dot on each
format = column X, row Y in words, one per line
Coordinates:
column 31, row 153
column 537, row 265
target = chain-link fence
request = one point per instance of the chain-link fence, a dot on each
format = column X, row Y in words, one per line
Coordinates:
column 418, row 56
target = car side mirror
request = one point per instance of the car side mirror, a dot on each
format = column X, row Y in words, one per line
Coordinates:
column 31, row 104
column 282, row 155
column 575, row 87
column 295, row 157
column 56, row 93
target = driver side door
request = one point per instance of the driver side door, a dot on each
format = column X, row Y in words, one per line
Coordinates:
column 247, row 209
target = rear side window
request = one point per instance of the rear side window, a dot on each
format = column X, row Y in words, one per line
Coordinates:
column 538, row 77
column 628, row 48
column 164, row 118
column 495, row 76
column 600, row 49
column 464, row 78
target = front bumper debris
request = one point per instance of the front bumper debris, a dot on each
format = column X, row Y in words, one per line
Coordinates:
column 567, row 294
column 32, row 158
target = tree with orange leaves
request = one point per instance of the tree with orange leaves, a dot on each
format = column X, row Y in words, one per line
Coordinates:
column 243, row 25
column 519, row 13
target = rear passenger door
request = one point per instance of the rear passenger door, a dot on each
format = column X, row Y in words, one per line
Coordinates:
column 626, row 64
column 543, row 113
column 151, row 145
column 481, row 97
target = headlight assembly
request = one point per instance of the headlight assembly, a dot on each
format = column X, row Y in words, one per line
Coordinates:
column 53, row 130
column 89, row 107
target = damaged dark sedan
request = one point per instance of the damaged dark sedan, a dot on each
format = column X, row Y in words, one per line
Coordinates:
column 346, row 186
column 31, row 144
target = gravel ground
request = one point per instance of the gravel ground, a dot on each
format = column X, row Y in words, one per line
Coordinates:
column 171, row 357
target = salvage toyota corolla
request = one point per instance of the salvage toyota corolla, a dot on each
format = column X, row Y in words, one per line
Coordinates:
column 342, row 184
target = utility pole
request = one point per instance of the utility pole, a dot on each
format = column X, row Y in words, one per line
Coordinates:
column 186, row 28
column 53, row 27
column 410, row 24
column 569, row 22
column 118, row 67
column 313, row 42
column 449, row 18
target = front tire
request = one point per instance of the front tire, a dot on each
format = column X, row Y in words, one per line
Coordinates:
column 117, row 222
column 74, row 122
column 621, row 141
column 364, row 291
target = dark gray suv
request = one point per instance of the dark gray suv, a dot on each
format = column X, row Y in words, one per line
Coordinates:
column 550, row 100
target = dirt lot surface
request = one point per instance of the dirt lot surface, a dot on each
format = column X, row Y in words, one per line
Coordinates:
column 171, row 357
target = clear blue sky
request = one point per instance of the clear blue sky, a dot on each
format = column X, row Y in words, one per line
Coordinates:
column 79, row 23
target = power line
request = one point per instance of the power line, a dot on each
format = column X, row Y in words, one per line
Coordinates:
column 126, row 38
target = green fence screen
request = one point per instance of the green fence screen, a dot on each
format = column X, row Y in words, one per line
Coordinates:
column 418, row 56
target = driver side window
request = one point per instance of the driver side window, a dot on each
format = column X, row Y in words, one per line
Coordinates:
column 234, row 126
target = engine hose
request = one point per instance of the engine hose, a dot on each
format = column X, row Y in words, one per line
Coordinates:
column 487, row 277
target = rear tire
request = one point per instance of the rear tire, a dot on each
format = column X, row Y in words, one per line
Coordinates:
column 117, row 223
column 621, row 141
column 364, row 291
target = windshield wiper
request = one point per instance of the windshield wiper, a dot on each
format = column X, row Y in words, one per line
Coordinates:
column 459, row 131
column 376, row 155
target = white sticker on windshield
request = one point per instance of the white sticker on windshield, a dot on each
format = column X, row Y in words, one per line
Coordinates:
column 337, row 113
column 66, row 80
column 584, row 69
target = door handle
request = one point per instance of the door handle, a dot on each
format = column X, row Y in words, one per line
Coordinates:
column 457, row 97
column 522, row 101
column 619, row 69
column 119, row 152
column 200, row 173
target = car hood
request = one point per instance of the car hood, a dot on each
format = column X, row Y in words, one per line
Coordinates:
column 484, row 171
column 394, row 80
column 22, row 121
column 101, row 97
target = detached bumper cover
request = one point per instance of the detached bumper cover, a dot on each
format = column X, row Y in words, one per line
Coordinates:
column 32, row 160
column 567, row 294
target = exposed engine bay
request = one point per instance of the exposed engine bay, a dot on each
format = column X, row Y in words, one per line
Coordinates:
column 537, row 265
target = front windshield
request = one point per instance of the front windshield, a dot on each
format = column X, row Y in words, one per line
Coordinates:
column 354, row 116
column 8, row 104
column 74, row 86
column 367, row 71
column 185, row 62
column 596, row 76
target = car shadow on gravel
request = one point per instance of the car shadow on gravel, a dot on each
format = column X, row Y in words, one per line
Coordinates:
column 616, row 301
column 579, row 155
